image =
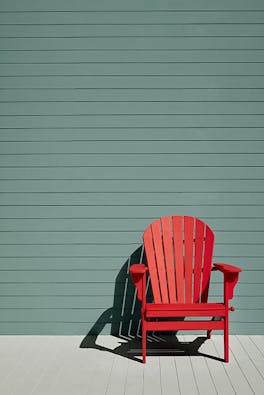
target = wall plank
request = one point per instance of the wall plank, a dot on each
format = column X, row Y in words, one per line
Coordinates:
column 113, row 114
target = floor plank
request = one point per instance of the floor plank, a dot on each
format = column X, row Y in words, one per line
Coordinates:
column 169, row 376
column 201, row 372
column 118, row 377
column 221, row 380
column 258, row 340
column 151, row 380
column 255, row 379
column 253, row 352
column 134, row 380
column 21, row 378
column 79, row 380
column 187, row 383
column 28, row 377
column 101, row 365
column 236, row 376
column 54, row 365
column 40, row 365
column 12, row 350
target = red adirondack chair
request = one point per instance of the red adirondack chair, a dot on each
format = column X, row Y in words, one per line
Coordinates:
column 179, row 252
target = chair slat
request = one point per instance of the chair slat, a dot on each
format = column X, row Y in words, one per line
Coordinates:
column 151, row 259
column 198, row 258
column 207, row 264
column 188, row 244
column 169, row 257
column 178, row 254
column 158, row 246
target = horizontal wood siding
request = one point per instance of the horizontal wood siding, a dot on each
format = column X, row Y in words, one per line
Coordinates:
column 114, row 113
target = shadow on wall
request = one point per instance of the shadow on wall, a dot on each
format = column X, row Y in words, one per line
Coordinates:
column 125, row 320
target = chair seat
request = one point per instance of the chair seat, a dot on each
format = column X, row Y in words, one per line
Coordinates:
column 155, row 310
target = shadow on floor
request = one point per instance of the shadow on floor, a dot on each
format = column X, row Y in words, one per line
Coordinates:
column 157, row 345
column 125, row 322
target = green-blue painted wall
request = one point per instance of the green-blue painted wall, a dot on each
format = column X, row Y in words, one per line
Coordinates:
column 114, row 113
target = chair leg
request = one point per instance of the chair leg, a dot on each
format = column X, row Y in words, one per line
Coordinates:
column 144, row 341
column 209, row 333
column 226, row 340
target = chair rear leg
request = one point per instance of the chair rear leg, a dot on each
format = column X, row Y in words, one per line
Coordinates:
column 209, row 333
column 144, row 340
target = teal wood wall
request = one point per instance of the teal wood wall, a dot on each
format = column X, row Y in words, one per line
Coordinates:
column 113, row 113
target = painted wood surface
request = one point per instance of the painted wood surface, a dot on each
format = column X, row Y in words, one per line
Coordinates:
column 113, row 114
column 179, row 233
column 170, row 245
column 56, row 365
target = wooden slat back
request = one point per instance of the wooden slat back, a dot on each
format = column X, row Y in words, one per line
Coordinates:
column 198, row 258
column 177, row 224
column 179, row 253
column 160, row 260
column 152, row 264
column 169, row 257
column 188, row 257
column 207, row 263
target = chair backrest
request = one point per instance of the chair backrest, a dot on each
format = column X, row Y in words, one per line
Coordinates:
column 179, row 251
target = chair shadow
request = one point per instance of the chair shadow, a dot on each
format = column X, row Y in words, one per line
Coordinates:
column 124, row 318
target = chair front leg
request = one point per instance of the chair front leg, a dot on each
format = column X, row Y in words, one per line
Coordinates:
column 138, row 273
column 144, row 337
column 231, row 275
column 226, row 334
column 226, row 338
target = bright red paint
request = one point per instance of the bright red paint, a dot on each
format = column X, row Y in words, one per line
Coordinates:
column 179, row 251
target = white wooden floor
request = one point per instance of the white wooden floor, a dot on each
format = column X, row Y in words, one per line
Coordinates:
column 47, row 365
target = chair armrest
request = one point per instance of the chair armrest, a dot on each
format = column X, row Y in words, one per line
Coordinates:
column 138, row 274
column 138, row 268
column 224, row 268
column 231, row 274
